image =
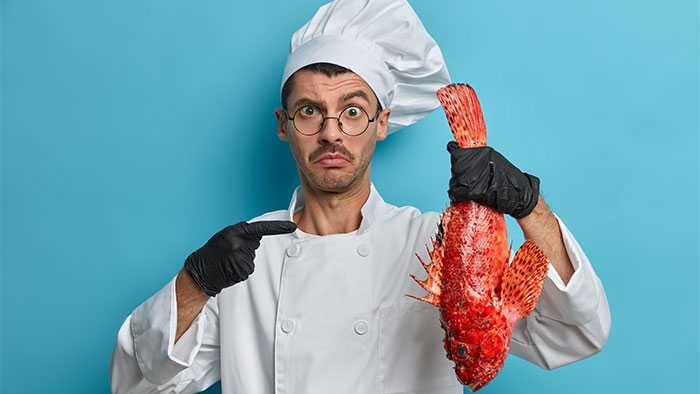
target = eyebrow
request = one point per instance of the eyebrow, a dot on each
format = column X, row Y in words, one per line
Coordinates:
column 305, row 101
column 357, row 93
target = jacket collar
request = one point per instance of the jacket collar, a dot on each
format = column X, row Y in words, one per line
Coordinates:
column 371, row 209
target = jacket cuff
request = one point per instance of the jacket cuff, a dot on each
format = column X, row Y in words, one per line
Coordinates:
column 575, row 302
column 153, row 326
column 187, row 347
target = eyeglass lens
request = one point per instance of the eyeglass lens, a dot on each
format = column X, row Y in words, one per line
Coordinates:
column 309, row 119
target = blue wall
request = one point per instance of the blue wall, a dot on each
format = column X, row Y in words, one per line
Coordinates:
column 134, row 130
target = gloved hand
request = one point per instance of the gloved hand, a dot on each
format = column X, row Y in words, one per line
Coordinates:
column 483, row 175
column 227, row 258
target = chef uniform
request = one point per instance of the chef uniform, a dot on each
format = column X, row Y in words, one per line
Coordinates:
column 329, row 314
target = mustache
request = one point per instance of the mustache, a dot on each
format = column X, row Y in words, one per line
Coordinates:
column 330, row 148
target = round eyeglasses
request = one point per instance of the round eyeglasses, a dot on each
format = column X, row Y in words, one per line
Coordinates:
column 309, row 120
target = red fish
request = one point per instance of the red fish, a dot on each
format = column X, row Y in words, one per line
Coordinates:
column 480, row 296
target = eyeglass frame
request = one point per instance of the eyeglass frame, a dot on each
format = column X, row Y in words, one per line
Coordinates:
column 340, row 124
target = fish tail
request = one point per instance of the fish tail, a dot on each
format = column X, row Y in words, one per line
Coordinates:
column 464, row 114
column 522, row 281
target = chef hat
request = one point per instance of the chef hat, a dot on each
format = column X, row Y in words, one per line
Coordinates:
column 382, row 41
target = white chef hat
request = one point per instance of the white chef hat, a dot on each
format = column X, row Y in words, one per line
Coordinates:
column 382, row 41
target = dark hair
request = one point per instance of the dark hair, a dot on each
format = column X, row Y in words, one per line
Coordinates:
column 328, row 69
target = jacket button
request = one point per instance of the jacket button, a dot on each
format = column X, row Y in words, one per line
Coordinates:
column 287, row 326
column 363, row 250
column 361, row 327
column 293, row 250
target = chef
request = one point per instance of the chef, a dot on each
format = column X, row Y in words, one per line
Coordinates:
column 312, row 298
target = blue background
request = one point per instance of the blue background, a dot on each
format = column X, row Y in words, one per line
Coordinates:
column 134, row 130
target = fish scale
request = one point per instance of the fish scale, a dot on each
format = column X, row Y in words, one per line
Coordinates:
column 480, row 296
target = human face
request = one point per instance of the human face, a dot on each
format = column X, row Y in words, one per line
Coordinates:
column 332, row 95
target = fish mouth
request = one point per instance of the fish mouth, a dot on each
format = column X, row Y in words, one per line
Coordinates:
column 473, row 385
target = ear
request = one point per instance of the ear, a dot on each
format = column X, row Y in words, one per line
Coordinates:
column 383, row 124
column 281, row 124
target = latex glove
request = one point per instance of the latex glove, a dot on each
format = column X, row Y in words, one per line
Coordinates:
column 227, row 258
column 483, row 175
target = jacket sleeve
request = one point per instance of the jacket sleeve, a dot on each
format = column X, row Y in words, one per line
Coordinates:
column 570, row 322
column 145, row 359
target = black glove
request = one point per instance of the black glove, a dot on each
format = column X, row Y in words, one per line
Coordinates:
column 483, row 175
column 227, row 258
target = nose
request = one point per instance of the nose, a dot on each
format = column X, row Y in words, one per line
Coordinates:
column 330, row 131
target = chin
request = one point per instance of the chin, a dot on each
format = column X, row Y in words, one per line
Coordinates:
column 335, row 186
column 330, row 180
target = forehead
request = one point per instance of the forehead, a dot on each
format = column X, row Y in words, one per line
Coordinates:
column 320, row 87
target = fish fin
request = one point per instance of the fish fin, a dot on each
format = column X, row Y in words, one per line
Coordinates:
column 434, row 267
column 431, row 299
column 522, row 281
column 423, row 263
column 431, row 284
column 463, row 113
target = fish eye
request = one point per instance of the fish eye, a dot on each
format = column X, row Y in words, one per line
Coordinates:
column 461, row 351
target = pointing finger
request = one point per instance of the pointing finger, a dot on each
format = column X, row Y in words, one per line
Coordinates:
column 269, row 227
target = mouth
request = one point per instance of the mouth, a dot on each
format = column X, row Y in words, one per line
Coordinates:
column 332, row 160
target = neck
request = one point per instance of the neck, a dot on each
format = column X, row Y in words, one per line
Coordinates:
column 326, row 213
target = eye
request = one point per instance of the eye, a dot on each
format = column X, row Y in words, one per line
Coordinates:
column 353, row 112
column 308, row 110
column 461, row 351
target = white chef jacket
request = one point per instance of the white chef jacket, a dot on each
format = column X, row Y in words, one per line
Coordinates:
column 329, row 314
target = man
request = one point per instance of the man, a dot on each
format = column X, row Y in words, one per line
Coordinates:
column 311, row 299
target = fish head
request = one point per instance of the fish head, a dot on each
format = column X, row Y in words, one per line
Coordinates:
column 477, row 342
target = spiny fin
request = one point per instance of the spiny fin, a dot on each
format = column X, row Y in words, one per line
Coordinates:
column 432, row 284
column 430, row 299
column 464, row 114
column 522, row 281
